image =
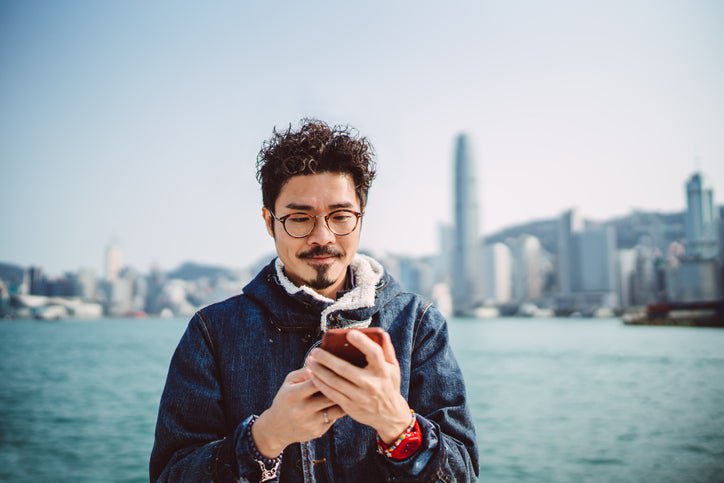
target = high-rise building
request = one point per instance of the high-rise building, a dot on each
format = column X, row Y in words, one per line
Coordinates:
column 498, row 273
column 626, row 259
column 597, row 248
column 644, row 285
column 467, row 263
column 38, row 281
column 597, row 254
column 527, row 274
column 698, row 276
column 86, row 280
column 444, row 265
column 701, row 218
column 569, row 225
column 113, row 261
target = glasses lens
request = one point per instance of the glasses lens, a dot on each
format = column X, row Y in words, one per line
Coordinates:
column 299, row 225
column 342, row 222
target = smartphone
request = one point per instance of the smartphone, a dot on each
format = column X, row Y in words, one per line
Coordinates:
column 335, row 341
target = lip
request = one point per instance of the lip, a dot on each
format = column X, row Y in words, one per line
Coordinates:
column 320, row 260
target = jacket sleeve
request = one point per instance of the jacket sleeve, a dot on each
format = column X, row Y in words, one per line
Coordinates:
column 437, row 394
column 193, row 441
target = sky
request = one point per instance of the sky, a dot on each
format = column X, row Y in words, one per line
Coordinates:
column 140, row 122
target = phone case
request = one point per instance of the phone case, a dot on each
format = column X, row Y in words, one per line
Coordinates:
column 335, row 341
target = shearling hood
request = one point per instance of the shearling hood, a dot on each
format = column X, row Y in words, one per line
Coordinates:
column 301, row 308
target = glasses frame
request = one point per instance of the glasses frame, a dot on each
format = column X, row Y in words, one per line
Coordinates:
column 283, row 221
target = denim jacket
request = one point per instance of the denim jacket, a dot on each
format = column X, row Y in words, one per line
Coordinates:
column 234, row 356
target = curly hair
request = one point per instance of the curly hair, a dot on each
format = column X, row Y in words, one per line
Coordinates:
column 314, row 148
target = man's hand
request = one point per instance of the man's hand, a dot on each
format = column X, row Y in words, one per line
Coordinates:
column 369, row 395
column 298, row 413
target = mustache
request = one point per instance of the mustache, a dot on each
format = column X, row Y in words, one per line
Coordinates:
column 319, row 251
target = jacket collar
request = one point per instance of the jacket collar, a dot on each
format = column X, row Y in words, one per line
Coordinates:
column 303, row 309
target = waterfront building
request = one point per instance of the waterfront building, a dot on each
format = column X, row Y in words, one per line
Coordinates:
column 37, row 281
column 694, row 280
column 442, row 299
column 63, row 286
column 570, row 224
column 86, row 282
column 15, row 278
column 498, row 273
column 645, row 286
column 120, row 297
column 154, row 290
column 113, row 261
column 698, row 276
column 596, row 248
column 596, row 252
column 626, row 259
column 417, row 275
column 587, row 269
column 467, row 263
column 701, row 219
column 443, row 268
column 527, row 274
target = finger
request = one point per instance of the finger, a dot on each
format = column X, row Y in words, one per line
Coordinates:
column 320, row 402
column 333, row 394
column 298, row 376
column 367, row 346
column 335, row 364
column 333, row 413
column 303, row 389
column 388, row 349
column 331, row 378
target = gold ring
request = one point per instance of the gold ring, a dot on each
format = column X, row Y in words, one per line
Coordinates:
column 326, row 417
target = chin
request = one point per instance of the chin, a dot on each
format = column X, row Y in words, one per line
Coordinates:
column 323, row 277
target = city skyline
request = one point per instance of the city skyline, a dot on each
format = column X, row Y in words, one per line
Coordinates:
column 115, row 244
column 143, row 121
column 564, row 266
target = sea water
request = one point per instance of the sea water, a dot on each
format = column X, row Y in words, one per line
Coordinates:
column 554, row 400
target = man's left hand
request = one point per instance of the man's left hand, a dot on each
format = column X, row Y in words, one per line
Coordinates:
column 369, row 395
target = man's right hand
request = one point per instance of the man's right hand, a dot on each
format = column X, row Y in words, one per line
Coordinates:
column 296, row 414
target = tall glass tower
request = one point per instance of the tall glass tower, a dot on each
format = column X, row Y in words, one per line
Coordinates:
column 701, row 218
column 466, row 263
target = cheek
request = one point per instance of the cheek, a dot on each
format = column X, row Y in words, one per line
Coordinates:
column 288, row 248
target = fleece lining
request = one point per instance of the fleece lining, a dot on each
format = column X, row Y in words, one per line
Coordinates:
column 367, row 273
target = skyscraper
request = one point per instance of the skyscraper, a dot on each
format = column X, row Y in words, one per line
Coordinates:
column 597, row 250
column 701, row 218
column 698, row 276
column 527, row 275
column 113, row 261
column 569, row 225
column 498, row 273
column 467, row 263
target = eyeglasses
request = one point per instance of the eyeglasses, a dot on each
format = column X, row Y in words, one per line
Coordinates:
column 339, row 222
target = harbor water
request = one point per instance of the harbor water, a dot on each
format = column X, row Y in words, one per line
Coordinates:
column 554, row 400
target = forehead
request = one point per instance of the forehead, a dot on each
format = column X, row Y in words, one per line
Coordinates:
column 318, row 192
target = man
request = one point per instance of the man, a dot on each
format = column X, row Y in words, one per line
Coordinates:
column 251, row 397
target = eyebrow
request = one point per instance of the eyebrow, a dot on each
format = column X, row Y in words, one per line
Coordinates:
column 333, row 206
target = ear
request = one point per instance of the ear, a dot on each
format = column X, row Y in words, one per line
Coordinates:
column 268, row 221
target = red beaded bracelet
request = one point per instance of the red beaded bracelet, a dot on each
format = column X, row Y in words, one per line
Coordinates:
column 405, row 445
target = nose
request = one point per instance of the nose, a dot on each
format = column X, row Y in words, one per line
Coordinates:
column 321, row 234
